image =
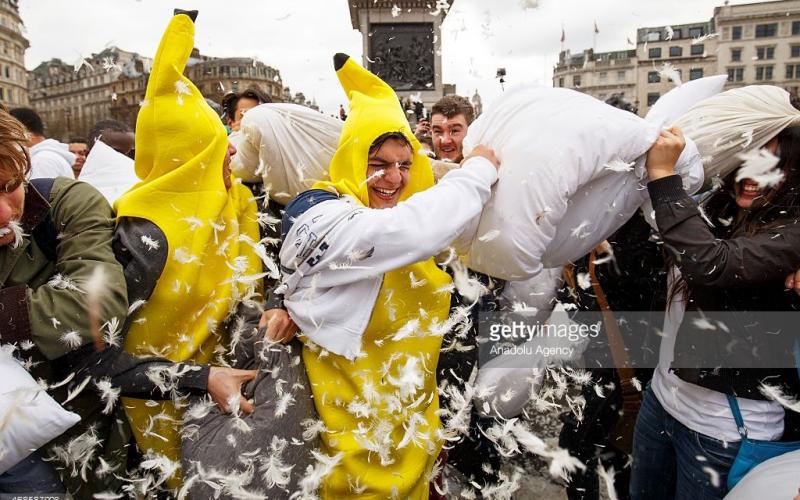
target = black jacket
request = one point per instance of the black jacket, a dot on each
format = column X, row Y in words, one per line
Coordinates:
column 741, row 277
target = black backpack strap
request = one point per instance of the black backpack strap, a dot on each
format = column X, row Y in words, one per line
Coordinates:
column 45, row 234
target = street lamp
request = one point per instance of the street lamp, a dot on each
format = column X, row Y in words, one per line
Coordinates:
column 501, row 75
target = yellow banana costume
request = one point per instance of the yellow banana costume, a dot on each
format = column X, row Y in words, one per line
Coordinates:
column 386, row 432
column 180, row 148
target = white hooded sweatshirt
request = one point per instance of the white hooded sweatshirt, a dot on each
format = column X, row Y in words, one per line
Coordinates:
column 51, row 158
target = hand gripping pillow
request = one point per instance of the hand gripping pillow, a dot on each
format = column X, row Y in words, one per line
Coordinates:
column 287, row 146
column 572, row 174
column 29, row 417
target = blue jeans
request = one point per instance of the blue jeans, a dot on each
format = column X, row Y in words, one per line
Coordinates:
column 32, row 475
column 669, row 458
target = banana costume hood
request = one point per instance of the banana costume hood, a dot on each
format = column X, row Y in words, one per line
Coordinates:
column 211, row 231
column 374, row 110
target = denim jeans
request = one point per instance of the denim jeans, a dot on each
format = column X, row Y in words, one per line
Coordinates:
column 32, row 475
column 672, row 461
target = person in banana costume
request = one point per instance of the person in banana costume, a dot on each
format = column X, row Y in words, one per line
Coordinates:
column 372, row 305
column 204, row 224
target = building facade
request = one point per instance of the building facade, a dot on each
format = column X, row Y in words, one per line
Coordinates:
column 111, row 84
column 71, row 98
column 599, row 74
column 756, row 43
column 13, row 75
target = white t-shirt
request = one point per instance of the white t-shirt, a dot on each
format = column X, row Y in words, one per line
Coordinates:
column 703, row 410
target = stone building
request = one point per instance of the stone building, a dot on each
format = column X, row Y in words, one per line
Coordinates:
column 683, row 47
column 760, row 43
column 112, row 83
column 599, row 74
column 13, row 75
column 756, row 43
column 71, row 98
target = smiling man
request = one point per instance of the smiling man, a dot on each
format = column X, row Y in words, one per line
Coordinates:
column 451, row 116
column 360, row 282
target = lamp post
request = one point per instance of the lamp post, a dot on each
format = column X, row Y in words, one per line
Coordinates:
column 501, row 75
column 68, row 132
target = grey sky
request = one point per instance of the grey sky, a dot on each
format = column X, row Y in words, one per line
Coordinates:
column 299, row 37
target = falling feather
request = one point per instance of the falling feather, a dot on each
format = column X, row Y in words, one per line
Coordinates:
column 72, row 394
column 619, row 166
column 108, row 394
column 489, row 235
column 607, row 475
column 760, row 166
column 149, row 242
column 776, row 394
column 669, row 72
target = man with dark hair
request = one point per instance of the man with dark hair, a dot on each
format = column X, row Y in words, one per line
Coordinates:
column 49, row 158
column 235, row 105
column 118, row 135
column 78, row 147
column 450, row 118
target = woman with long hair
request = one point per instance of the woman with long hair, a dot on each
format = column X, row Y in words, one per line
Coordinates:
column 729, row 261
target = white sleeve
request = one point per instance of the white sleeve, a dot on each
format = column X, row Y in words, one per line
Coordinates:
column 47, row 166
column 351, row 245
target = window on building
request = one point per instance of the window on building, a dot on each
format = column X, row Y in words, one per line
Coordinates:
column 654, row 36
column 652, row 98
column 791, row 71
column 695, row 73
column 736, row 55
column 576, row 81
column 765, row 53
column 696, row 32
column 653, row 77
column 675, row 51
column 655, row 53
column 795, row 50
column 763, row 73
column 561, row 81
column 736, row 33
column 698, row 49
column 620, row 76
column 676, row 34
column 795, row 27
column 603, row 76
column 735, row 74
column 766, row 30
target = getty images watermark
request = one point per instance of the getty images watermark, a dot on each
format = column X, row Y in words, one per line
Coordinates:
column 523, row 337
column 703, row 339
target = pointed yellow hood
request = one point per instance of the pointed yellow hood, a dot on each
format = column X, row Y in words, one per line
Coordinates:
column 180, row 148
column 374, row 111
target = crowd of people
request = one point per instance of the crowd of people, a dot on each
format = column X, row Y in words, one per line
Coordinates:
column 187, row 334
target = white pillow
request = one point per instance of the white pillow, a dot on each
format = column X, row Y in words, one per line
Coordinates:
column 550, row 142
column 109, row 171
column 29, row 417
column 776, row 479
column 556, row 198
column 287, row 146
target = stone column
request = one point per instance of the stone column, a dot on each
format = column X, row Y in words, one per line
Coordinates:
column 402, row 44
